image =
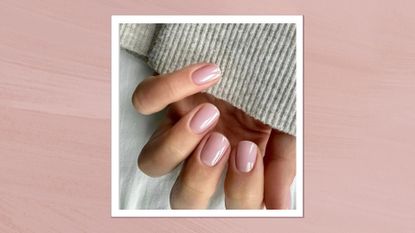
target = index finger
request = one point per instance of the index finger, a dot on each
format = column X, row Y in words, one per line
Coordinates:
column 155, row 93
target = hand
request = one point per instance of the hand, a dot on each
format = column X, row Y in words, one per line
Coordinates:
column 210, row 134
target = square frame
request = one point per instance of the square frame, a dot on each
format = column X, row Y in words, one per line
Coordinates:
column 116, row 20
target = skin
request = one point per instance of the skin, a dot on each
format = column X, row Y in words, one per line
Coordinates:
column 267, row 184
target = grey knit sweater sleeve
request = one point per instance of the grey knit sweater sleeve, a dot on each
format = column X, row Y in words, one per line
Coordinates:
column 257, row 61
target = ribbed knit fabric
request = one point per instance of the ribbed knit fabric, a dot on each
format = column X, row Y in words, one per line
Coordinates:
column 257, row 62
column 137, row 37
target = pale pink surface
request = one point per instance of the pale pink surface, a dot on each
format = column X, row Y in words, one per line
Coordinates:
column 214, row 149
column 245, row 156
column 55, row 116
column 204, row 118
column 206, row 74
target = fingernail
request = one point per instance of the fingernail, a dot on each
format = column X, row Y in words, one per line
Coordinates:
column 214, row 148
column 204, row 118
column 246, row 156
column 206, row 74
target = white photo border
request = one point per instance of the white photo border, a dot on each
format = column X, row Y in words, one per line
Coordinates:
column 116, row 20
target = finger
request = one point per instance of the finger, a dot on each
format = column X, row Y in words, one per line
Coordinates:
column 279, row 170
column 171, row 146
column 155, row 93
column 201, row 174
column 244, row 183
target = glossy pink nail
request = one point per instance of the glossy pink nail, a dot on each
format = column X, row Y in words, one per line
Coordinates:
column 206, row 74
column 214, row 148
column 245, row 156
column 204, row 118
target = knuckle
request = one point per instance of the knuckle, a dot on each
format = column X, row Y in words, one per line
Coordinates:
column 239, row 197
column 169, row 89
column 199, row 182
column 174, row 151
column 196, row 189
column 177, row 148
column 243, row 192
column 185, row 197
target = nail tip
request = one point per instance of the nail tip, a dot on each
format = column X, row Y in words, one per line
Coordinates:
column 247, row 143
column 222, row 136
column 206, row 74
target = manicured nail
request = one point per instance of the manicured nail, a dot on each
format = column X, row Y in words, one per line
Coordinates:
column 206, row 74
column 214, row 148
column 204, row 118
column 246, row 156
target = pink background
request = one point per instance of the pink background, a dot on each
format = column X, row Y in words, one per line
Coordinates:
column 55, row 116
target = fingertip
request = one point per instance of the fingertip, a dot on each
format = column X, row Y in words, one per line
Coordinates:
column 139, row 101
column 138, row 106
